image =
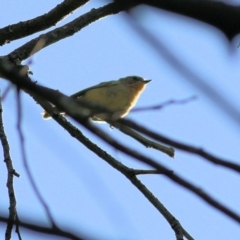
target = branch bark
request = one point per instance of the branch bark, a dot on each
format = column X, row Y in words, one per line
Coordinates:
column 68, row 29
column 31, row 26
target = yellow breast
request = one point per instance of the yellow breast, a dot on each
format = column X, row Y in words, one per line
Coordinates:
column 117, row 98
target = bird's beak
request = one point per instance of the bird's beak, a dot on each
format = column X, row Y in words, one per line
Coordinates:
column 147, row 81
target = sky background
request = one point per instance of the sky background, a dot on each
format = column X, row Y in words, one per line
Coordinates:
column 82, row 191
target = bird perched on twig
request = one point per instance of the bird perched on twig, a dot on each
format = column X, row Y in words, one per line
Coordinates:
column 110, row 100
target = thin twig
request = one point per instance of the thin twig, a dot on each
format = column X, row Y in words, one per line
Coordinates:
column 18, row 227
column 25, row 162
column 165, row 104
column 6, row 91
column 143, row 172
column 11, row 173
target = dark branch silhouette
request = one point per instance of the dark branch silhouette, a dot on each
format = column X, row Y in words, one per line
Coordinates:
column 218, row 14
column 43, row 229
column 47, row 20
column 187, row 148
column 67, row 30
column 11, row 173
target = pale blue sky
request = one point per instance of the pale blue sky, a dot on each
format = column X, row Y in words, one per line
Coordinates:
column 83, row 191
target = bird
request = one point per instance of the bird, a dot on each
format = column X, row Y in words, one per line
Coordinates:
column 109, row 101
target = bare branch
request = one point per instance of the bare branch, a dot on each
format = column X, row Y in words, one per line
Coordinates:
column 29, row 27
column 144, row 172
column 11, row 173
column 188, row 148
column 174, row 223
column 68, row 30
column 42, row 229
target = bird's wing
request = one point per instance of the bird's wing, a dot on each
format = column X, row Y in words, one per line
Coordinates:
column 100, row 85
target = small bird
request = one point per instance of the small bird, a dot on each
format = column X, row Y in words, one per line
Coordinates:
column 110, row 100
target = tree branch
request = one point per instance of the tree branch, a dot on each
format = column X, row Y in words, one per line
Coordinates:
column 29, row 27
column 188, row 148
column 42, row 229
column 11, row 173
column 68, row 29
